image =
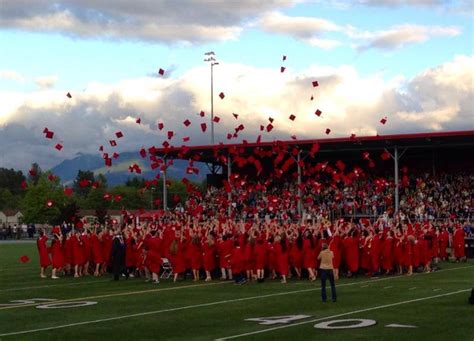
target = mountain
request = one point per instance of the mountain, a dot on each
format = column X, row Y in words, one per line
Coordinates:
column 119, row 172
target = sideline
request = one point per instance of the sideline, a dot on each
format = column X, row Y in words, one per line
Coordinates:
column 128, row 293
column 235, row 300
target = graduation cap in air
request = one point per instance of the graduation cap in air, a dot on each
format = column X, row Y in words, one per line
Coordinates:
column 221, row 95
column 203, row 127
column 119, row 134
column 58, row 146
column 216, row 119
column 24, row 184
column 68, row 191
column 187, row 123
column 49, row 203
column 202, row 113
column 292, row 117
column 328, row 131
column 284, row 58
column 383, row 120
column 315, row 84
column 68, row 95
column 143, row 153
column 236, row 116
column 108, row 162
column 161, row 126
column 170, row 134
column 269, row 127
column 116, row 155
column 24, row 259
column 186, row 139
column 318, row 112
column 161, row 72
column 282, row 69
column 113, row 143
column 49, row 134
column 312, row 97
column 138, row 120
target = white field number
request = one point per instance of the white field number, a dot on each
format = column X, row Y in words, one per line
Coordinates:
column 277, row 319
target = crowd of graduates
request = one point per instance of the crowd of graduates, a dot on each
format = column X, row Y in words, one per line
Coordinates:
column 254, row 250
column 252, row 231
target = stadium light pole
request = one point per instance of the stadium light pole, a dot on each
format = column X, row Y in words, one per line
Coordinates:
column 395, row 159
column 165, row 197
column 210, row 58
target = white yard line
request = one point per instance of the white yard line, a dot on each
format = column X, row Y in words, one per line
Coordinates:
column 412, row 288
column 126, row 293
column 212, row 304
column 56, row 285
column 343, row 314
column 389, row 287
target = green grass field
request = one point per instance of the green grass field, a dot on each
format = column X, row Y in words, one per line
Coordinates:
column 435, row 303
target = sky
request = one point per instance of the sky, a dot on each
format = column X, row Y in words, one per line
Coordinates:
column 410, row 61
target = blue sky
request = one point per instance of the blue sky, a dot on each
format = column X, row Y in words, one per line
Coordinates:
column 393, row 49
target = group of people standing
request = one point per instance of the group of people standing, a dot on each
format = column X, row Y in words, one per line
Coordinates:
column 250, row 251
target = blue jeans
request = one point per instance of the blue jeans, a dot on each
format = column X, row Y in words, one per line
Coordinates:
column 327, row 274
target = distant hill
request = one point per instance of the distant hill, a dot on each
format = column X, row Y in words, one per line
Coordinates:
column 119, row 173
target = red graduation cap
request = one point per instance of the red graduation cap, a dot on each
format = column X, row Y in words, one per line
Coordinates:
column 203, row 127
column 51, row 177
column 383, row 120
column 293, row 137
column 115, row 155
column 315, row 84
column 292, row 117
column 236, row 116
column 84, row 183
column 186, row 139
column 385, row 155
column 24, row 184
column 161, row 126
column 138, row 121
column 284, row 58
column 366, row 155
column 68, row 191
column 229, row 136
column 328, row 131
column 32, row 172
column 24, row 259
column 59, row 146
column 318, row 113
column 269, row 127
column 282, row 69
column 119, row 134
column 202, row 113
column 161, row 72
column 187, row 123
column 108, row 162
column 101, row 148
column 45, row 130
column 49, row 203
column 216, row 119
column 221, row 95
column 49, row 134
column 118, row 198
column 113, row 143
column 271, row 119
column 262, row 128
column 170, row 134
column 312, row 97
column 107, row 196
column 143, row 153
column 68, row 95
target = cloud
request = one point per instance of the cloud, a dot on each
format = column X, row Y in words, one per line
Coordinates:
column 437, row 99
column 167, row 21
column 11, row 75
column 400, row 36
column 306, row 29
column 46, row 82
column 395, row 3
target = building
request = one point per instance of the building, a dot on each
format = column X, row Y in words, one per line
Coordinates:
column 10, row 217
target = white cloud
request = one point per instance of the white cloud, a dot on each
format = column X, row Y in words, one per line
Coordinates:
column 399, row 36
column 167, row 21
column 11, row 75
column 46, row 82
column 307, row 29
column 440, row 98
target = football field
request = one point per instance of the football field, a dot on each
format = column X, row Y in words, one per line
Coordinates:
column 421, row 307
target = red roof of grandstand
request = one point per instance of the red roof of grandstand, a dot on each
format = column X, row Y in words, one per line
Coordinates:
column 378, row 142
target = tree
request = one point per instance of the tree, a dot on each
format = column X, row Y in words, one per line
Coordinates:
column 11, row 180
column 135, row 182
column 83, row 189
column 35, row 206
